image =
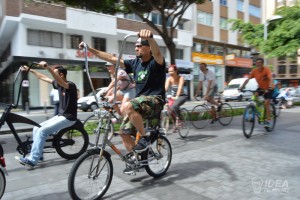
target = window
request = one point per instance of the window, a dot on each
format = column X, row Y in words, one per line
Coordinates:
column 179, row 54
column 213, row 49
column 234, row 51
column 223, row 23
column 132, row 16
column 44, row 38
column 198, row 47
column 74, row 40
column 223, row 2
column 99, row 43
column 204, row 18
column 240, row 5
column 156, row 19
column 293, row 69
column 281, row 69
column 254, row 11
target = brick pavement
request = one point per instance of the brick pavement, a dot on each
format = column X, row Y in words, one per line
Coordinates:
column 214, row 163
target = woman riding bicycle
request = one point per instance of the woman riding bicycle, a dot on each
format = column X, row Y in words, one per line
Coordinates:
column 176, row 82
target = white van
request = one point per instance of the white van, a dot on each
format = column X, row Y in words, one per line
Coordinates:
column 232, row 92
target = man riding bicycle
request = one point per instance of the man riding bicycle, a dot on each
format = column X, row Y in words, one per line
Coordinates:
column 263, row 77
column 208, row 79
column 149, row 74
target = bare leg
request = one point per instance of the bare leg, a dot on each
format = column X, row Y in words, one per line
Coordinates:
column 127, row 142
column 135, row 118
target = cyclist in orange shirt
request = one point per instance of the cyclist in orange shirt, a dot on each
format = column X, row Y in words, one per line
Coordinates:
column 263, row 77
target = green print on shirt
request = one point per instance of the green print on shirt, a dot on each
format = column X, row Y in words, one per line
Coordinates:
column 142, row 75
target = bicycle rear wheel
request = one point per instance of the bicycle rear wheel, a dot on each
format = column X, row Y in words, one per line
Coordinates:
column 71, row 142
column 184, row 123
column 273, row 118
column 84, row 181
column 91, row 123
column 248, row 120
column 159, row 157
column 278, row 108
column 200, row 116
column 226, row 114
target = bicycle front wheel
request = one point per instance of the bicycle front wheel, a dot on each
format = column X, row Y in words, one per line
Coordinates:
column 90, row 177
column 2, row 183
column 184, row 123
column 248, row 120
column 159, row 157
column 91, row 123
column 165, row 122
column 278, row 108
column 226, row 114
column 273, row 118
column 200, row 116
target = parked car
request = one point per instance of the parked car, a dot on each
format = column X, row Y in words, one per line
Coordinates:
column 89, row 101
column 232, row 91
column 297, row 92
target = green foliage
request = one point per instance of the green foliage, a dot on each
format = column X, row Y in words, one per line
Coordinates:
column 283, row 34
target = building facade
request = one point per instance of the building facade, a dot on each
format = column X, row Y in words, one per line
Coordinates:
column 217, row 46
column 34, row 31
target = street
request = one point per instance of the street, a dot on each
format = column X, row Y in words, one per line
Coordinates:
column 212, row 163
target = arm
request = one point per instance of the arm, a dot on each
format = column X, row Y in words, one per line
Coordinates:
column 198, row 88
column 245, row 83
column 102, row 55
column 208, row 87
column 167, row 84
column 40, row 76
column 180, row 86
column 55, row 75
column 147, row 35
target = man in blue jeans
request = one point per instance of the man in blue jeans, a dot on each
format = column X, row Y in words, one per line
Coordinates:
column 66, row 117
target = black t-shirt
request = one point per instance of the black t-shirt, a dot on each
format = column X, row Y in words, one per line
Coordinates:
column 67, row 100
column 149, row 76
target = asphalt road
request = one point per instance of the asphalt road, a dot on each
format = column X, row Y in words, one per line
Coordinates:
column 212, row 163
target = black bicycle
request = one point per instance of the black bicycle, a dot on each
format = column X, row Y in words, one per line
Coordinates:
column 69, row 142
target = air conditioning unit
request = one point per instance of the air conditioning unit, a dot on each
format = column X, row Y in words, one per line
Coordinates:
column 61, row 56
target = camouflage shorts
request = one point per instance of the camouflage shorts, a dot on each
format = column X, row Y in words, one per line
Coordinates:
column 147, row 106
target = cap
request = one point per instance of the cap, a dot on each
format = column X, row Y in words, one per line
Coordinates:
column 108, row 63
column 142, row 42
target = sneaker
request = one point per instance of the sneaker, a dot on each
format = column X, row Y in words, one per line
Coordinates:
column 25, row 162
column 141, row 146
column 129, row 170
column 268, row 124
column 41, row 159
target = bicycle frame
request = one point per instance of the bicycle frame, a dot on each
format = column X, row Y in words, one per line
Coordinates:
column 11, row 118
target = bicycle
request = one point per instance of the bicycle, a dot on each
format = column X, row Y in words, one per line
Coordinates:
column 69, row 142
column 168, row 116
column 201, row 114
column 91, row 123
column 257, row 110
column 3, row 172
column 91, row 174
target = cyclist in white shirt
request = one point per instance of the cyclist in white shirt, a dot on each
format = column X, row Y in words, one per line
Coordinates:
column 208, row 79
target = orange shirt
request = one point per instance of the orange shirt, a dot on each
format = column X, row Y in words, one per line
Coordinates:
column 263, row 77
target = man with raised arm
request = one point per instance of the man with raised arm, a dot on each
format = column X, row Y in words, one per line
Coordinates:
column 149, row 74
column 67, row 114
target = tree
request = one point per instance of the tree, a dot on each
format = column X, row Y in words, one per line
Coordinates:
column 171, row 12
column 283, row 34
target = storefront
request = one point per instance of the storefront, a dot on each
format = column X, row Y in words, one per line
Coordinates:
column 237, row 67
